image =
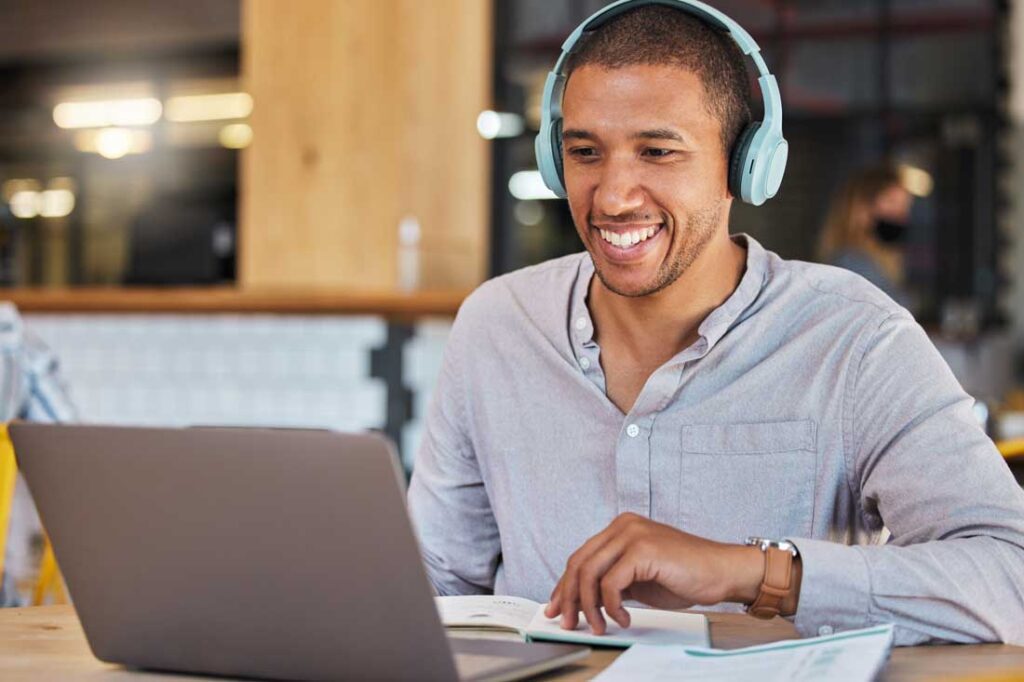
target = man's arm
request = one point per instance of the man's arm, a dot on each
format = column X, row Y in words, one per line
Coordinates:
column 656, row 564
column 447, row 499
column 918, row 462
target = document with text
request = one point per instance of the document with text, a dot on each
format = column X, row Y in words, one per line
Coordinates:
column 853, row 656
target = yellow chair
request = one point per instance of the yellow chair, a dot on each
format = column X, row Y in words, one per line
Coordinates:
column 1011, row 449
column 8, row 477
column 49, row 583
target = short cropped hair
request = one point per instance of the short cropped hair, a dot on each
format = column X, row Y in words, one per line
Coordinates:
column 660, row 35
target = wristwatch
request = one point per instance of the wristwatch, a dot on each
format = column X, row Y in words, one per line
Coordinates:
column 778, row 576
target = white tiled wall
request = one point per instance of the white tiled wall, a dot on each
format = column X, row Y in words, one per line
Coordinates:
column 244, row 370
column 422, row 361
column 251, row 370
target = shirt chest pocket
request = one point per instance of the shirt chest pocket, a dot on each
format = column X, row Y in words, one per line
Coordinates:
column 738, row 480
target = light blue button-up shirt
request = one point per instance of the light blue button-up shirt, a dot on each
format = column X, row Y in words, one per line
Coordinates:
column 811, row 407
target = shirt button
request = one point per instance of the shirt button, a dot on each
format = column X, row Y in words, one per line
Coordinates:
column 825, row 631
column 632, row 430
column 581, row 323
column 585, row 363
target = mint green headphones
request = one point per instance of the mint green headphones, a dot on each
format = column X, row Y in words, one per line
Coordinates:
column 758, row 159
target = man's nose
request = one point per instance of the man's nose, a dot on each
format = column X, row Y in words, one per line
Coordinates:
column 618, row 190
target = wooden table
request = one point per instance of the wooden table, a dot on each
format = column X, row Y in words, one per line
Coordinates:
column 222, row 299
column 46, row 644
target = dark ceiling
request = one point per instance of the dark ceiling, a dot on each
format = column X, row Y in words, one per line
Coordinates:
column 48, row 30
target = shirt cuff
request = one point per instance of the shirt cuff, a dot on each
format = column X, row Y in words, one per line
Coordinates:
column 835, row 590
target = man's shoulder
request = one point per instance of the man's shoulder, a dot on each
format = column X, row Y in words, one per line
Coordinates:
column 834, row 289
column 533, row 290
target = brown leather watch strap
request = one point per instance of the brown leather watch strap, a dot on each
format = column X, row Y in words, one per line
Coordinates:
column 776, row 584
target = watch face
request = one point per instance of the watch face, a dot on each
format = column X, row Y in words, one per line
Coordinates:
column 787, row 546
column 764, row 543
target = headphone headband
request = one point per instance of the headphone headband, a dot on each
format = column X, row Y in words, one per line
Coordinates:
column 757, row 165
column 705, row 13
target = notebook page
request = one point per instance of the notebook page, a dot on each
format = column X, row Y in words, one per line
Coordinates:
column 647, row 626
column 486, row 611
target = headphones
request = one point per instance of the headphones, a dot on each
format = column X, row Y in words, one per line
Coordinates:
column 758, row 159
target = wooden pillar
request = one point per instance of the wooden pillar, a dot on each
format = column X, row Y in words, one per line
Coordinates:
column 365, row 113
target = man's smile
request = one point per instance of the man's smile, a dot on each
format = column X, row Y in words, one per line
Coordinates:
column 627, row 242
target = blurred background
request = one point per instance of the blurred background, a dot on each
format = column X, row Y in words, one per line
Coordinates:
column 119, row 129
column 266, row 213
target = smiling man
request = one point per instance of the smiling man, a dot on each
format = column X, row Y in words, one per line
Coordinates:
column 682, row 418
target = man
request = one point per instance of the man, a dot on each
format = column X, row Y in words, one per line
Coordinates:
column 613, row 425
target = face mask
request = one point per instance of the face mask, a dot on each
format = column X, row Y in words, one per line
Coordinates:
column 890, row 232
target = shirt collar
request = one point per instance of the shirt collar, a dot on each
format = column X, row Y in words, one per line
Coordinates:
column 714, row 326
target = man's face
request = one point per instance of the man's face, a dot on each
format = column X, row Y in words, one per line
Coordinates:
column 645, row 172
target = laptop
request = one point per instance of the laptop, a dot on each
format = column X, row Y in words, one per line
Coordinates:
column 265, row 553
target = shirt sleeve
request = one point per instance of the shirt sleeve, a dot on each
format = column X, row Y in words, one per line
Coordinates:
column 447, row 498
column 919, row 463
column 31, row 388
column 46, row 394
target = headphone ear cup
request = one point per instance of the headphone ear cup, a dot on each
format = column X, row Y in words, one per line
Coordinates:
column 548, row 149
column 738, row 161
column 556, row 150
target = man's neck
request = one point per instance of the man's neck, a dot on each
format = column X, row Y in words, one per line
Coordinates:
column 666, row 322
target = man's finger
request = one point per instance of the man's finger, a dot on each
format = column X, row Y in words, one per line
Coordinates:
column 590, row 600
column 568, row 602
column 568, row 586
column 590, row 576
column 554, row 607
column 615, row 586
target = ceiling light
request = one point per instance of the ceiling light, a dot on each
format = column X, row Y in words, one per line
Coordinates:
column 102, row 113
column 56, row 203
column 917, row 181
column 220, row 107
column 494, row 124
column 235, row 136
column 25, row 204
column 114, row 143
column 529, row 185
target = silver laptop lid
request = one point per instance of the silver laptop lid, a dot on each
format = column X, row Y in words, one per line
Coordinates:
column 185, row 549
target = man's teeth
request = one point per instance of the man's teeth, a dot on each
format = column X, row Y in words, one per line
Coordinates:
column 625, row 239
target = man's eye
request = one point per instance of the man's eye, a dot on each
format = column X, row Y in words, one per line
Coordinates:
column 582, row 152
column 658, row 153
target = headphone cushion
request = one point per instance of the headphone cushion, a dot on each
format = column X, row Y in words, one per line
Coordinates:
column 556, row 149
column 738, row 159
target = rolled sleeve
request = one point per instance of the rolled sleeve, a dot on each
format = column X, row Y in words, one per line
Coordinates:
column 920, row 464
column 835, row 591
column 447, row 498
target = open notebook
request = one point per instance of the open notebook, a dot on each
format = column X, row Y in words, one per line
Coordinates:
column 526, row 617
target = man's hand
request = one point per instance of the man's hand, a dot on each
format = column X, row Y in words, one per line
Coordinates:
column 636, row 558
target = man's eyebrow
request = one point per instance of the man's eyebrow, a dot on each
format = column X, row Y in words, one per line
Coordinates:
column 660, row 134
column 653, row 134
column 573, row 134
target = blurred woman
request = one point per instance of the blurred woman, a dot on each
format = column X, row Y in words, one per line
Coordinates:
column 866, row 228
